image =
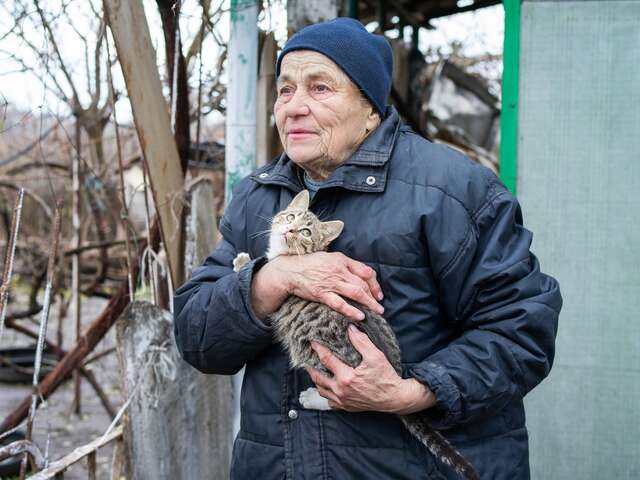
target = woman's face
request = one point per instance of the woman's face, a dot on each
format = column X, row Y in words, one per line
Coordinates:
column 320, row 114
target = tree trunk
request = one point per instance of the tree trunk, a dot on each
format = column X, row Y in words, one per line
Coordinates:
column 169, row 15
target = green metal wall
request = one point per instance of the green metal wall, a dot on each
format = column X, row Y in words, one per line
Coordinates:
column 579, row 185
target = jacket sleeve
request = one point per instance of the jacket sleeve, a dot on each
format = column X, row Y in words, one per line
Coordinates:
column 505, row 310
column 215, row 328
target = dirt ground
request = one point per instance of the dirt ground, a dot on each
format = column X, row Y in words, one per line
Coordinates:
column 65, row 429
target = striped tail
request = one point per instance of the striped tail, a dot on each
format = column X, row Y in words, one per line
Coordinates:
column 439, row 446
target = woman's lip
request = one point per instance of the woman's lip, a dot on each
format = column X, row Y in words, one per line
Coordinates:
column 300, row 134
column 299, row 130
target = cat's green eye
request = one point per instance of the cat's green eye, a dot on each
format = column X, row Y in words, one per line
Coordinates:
column 305, row 232
column 291, row 217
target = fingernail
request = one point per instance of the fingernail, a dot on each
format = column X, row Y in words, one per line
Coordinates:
column 353, row 328
column 380, row 296
column 360, row 315
column 380, row 310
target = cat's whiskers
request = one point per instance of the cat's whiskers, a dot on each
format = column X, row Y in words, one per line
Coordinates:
column 267, row 219
column 257, row 234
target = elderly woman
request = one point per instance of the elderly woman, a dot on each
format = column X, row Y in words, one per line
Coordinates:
column 431, row 240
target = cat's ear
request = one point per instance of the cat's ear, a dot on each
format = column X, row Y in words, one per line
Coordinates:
column 331, row 230
column 300, row 201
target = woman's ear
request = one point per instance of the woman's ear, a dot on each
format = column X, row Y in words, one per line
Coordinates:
column 373, row 120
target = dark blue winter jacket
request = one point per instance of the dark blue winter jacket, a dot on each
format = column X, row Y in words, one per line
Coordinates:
column 475, row 317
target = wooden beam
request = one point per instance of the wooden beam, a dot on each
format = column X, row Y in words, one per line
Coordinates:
column 21, row 446
column 266, row 97
column 150, row 112
column 59, row 466
column 437, row 12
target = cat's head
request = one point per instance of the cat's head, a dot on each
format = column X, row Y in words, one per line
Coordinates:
column 296, row 230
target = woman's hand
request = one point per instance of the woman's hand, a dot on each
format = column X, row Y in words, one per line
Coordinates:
column 373, row 385
column 320, row 277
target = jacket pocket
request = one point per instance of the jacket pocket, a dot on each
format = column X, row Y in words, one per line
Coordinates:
column 256, row 460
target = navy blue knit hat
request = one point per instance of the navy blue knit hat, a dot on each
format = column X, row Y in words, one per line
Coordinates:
column 366, row 58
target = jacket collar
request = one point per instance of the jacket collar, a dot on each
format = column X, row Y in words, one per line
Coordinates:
column 365, row 171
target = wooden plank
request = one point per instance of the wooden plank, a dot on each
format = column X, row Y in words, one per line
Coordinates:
column 266, row 135
column 150, row 112
column 178, row 422
column 301, row 13
column 201, row 229
column 56, row 469
column 91, row 465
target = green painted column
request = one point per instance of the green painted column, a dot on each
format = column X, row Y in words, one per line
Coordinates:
column 240, row 136
column 510, row 79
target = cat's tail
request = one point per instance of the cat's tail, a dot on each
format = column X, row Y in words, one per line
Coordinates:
column 439, row 446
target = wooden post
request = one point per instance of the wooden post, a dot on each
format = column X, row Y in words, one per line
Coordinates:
column 266, row 137
column 175, row 423
column 301, row 13
column 150, row 112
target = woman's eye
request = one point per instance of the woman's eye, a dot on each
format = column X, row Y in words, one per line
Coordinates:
column 291, row 217
column 285, row 90
column 305, row 232
column 320, row 88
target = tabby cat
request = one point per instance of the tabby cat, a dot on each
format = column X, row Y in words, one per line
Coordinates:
column 297, row 231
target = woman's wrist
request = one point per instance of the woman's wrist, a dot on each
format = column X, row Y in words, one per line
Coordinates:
column 269, row 289
column 413, row 396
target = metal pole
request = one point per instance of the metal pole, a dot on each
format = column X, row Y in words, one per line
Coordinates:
column 240, row 141
column 240, row 151
column 76, row 306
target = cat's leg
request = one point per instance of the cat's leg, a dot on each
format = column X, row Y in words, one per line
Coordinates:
column 312, row 400
column 240, row 261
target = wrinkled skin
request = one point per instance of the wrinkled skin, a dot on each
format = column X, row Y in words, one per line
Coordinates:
column 320, row 114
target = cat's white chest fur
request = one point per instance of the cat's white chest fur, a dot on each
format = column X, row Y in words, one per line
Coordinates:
column 277, row 245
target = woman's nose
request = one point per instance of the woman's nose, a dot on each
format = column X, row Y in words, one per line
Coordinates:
column 298, row 105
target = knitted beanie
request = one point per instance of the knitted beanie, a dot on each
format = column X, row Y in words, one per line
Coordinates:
column 366, row 58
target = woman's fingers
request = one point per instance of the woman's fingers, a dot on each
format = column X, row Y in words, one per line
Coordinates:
column 359, row 291
column 340, row 305
column 367, row 274
column 320, row 379
column 328, row 277
column 334, row 401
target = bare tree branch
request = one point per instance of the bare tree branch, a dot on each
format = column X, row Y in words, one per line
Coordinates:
column 194, row 48
column 38, row 199
column 56, row 49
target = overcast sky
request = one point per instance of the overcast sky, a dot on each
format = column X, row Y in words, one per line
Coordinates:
column 480, row 32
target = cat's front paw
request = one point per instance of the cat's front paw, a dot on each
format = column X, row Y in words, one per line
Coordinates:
column 312, row 400
column 240, row 261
